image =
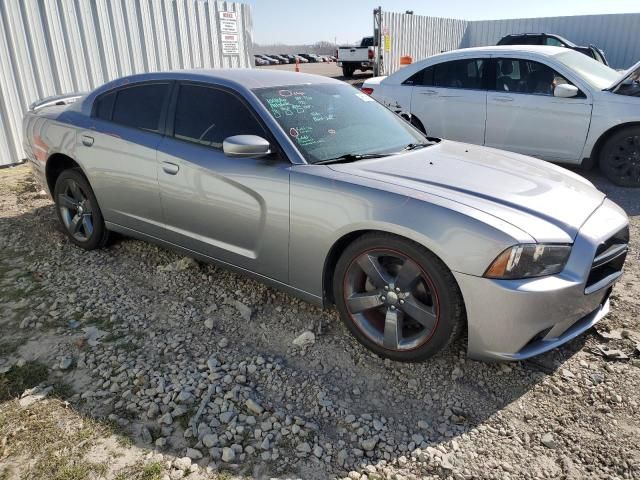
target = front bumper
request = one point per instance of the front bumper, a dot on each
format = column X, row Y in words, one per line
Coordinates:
column 518, row 319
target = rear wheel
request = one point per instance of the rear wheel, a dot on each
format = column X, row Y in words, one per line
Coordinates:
column 347, row 71
column 397, row 298
column 620, row 157
column 78, row 210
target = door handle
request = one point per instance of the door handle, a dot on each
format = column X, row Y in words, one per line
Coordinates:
column 503, row 99
column 428, row 92
column 87, row 141
column 170, row 168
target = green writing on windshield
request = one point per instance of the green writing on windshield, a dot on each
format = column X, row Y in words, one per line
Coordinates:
column 295, row 109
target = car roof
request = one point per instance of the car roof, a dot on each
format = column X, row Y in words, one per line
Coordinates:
column 242, row 78
column 554, row 35
column 544, row 50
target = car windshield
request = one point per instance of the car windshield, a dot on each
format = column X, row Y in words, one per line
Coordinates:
column 330, row 121
column 593, row 72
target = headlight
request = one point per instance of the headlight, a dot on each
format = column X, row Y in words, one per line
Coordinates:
column 529, row 260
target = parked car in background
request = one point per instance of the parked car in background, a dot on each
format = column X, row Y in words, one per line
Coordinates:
column 283, row 60
column 360, row 58
column 308, row 184
column 552, row 40
column 259, row 61
column 272, row 61
column 311, row 58
column 548, row 102
column 278, row 61
column 301, row 59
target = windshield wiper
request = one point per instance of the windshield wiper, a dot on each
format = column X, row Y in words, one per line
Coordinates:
column 415, row 146
column 352, row 157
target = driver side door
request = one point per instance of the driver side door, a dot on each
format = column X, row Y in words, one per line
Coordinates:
column 234, row 210
column 524, row 116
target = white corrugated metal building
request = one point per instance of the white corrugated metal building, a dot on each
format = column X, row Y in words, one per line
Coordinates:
column 421, row 36
column 51, row 47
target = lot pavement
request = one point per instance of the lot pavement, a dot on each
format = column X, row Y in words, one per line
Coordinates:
column 329, row 69
column 143, row 364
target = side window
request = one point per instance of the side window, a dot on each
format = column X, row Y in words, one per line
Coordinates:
column 507, row 75
column 539, row 79
column 459, row 74
column 208, row 115
column 103, row 108
column 531, row 40
column 553, row 42
column 526, row 76
column 423, row 78
column 140, row 106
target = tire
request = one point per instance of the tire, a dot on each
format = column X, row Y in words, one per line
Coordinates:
column 408, row 309
column 347, row 72
column 78, row 211
column 619, row 157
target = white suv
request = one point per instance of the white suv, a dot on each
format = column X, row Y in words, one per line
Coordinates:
column 547, row 102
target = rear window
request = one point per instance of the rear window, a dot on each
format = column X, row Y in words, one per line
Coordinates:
column 104, row 106
column 466, row 74
column 140, row 106
column 423, row 78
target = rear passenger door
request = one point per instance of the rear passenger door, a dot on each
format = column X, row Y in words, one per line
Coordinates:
column 118, row 153
column 450, row 100
column 235, row 210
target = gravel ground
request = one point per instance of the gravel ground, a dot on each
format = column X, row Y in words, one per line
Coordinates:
column 213, row 375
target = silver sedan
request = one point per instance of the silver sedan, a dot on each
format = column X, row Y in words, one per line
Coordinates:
column 313, row 187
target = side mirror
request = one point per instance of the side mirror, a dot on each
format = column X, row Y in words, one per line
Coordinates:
column 564, row 90
column 246, row 146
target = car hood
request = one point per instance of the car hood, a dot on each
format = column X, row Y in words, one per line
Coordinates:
column 624, row 75
column 548, row 202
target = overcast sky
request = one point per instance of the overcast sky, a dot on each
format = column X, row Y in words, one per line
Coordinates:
column 309, row 21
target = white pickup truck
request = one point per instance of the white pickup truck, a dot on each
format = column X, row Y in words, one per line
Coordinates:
column 361, row 58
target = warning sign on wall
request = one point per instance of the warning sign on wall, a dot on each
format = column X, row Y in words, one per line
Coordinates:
column 229, row 33
column 230, row 48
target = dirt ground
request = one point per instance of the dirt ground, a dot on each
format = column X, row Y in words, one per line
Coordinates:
column 133, row 362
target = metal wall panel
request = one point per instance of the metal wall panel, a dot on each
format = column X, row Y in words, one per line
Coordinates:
column 418, row 36
column 618, row 35
column 52, row 47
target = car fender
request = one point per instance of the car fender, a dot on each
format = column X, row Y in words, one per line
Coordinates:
column 609, row 112
column 325, row 205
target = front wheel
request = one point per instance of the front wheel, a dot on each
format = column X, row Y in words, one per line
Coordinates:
column 620, row 157
column 78, row 210
column 397, row 298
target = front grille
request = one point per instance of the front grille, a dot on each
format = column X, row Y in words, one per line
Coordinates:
column 608, row 262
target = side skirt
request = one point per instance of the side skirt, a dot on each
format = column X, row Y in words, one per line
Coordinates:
column 301, row 294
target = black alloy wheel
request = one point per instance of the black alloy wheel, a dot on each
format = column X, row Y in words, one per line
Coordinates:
column 391, row 300
column 78, row 210
column 397, row 298
column 620, row 157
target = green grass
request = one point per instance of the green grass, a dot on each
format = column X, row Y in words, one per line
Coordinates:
column 62, row 390
column 149, row 471
column 224, row 475
column 18, row 379
column 54, row 439
column 152, row 471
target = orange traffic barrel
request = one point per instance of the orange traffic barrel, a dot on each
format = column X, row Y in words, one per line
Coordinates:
column 406, row 60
